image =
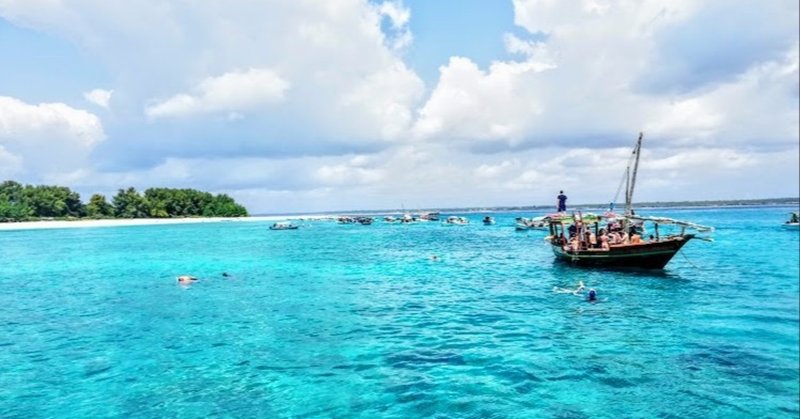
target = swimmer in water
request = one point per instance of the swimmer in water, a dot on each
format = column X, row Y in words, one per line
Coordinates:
column 434, row 258
column 186, row 279
column 592, row 297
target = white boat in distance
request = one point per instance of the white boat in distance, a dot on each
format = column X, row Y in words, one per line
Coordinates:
column 454, row 220
column 283, row 225
column 794, row 220
column 536, row 223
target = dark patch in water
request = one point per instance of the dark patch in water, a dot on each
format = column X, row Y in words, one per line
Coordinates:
column 418, row 358
column 410, row 392
column 517, row 375
column 616, row 382
column 94, row 371
column 737, row 362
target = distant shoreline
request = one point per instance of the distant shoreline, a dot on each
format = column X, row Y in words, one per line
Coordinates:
column 731, row 203
column 130, row 222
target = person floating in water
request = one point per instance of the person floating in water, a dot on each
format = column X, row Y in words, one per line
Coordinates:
column 579, row 289
column 186, row 279
column 562, row 202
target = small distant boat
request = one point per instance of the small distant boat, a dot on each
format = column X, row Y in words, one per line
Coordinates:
column 454, row 220
column 408, row 218
column 365, row 221
column 487, row 220
column 794, row 220
column 283, row 225
column 429, row 216
column 536, row 223
column 390, row 219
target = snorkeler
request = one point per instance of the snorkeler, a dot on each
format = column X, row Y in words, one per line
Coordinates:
column 592, row 297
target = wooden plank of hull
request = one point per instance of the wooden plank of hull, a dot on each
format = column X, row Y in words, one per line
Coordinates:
column 647, row 256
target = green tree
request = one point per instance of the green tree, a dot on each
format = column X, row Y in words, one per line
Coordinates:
column 129, row 204
column 52, row 201
column 98, row 207
column 224, row 206
column 18, row 202
column 12, row 205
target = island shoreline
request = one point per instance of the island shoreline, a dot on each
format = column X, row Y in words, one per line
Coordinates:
column 132, row 222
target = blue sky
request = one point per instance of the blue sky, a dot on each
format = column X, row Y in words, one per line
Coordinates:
column 344, row 104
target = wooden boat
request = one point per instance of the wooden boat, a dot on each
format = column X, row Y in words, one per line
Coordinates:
column 578, row 239
column 648, row 254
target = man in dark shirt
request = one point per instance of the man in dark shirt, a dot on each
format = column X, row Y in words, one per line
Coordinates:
column 562, row 202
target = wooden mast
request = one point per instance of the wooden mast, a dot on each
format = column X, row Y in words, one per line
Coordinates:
column 632, row 183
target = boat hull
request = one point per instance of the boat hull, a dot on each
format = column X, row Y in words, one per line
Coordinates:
column 643, row 256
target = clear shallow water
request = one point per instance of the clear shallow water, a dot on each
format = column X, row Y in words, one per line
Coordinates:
column 344, row 321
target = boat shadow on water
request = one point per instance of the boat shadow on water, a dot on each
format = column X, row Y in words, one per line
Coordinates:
column 618, row 272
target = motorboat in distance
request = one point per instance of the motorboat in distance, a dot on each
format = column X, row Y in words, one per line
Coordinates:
column 793, row 222
column 283, row 225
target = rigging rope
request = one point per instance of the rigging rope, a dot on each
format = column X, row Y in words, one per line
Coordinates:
column 689, row 261
column 621, row 181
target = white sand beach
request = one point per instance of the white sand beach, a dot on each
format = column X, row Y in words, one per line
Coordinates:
column 125, row 222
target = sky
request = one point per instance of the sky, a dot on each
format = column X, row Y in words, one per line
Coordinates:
column 312, row 105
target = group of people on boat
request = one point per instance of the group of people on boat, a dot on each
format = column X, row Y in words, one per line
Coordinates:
column 581, row 237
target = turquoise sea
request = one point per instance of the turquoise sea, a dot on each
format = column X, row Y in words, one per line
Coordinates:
column 358, row 321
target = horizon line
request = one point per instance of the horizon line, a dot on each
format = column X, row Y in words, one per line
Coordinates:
column 655, row 204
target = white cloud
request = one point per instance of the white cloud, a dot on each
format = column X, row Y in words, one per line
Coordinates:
column 234, row 91
column 324, row 74
column 99, row 97
column 489, row 171
column 325, row 86
column 386, row 98
column 10, row 164
column 470, row 104
column 759, row 107
column 580, row 84
column 399, row 17
column 47, row 137
column 344, row 174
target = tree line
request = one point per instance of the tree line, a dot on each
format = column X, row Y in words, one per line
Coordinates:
column 31, row 202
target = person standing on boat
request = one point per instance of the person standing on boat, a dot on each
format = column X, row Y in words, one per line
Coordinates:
column 562, row 202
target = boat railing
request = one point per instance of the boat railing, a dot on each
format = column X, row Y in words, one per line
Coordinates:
column 665, row 220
